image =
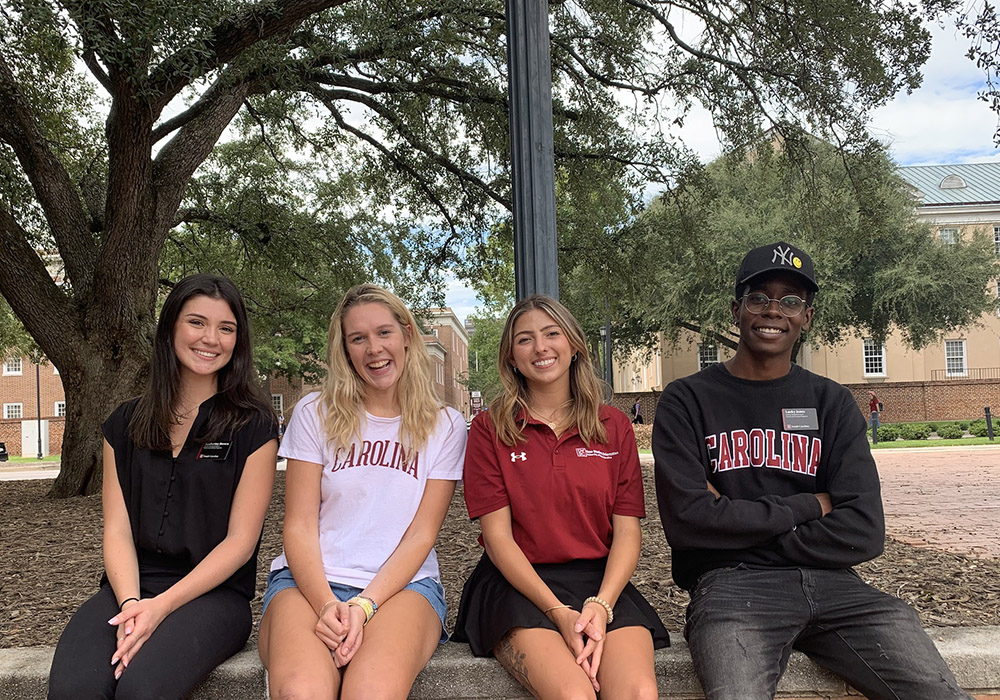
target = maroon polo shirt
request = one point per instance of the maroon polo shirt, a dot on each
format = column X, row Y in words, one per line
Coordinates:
column 561, row 491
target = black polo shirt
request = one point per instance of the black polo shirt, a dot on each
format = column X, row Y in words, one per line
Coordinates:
column 178, row 507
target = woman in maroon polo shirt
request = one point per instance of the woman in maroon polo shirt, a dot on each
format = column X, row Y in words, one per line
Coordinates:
column 553, row 476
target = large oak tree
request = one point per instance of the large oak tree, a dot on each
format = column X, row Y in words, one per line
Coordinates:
column 400, row 104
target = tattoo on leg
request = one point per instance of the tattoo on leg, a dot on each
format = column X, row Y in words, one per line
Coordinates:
column 513, row 660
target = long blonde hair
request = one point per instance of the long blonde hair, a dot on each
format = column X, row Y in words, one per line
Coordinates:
column 343, row 394
column 584, row 386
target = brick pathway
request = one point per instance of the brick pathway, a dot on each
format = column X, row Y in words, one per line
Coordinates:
column 945, row 498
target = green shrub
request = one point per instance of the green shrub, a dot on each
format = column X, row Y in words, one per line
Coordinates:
column 978, row 427
column 888, row 433
column 950, row 431
column 933, row 427
column 963, row 424
column 914, row 431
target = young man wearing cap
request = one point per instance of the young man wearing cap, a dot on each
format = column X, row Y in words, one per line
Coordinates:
column 768, row 496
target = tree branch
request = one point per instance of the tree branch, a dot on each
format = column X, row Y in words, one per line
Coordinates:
column 52, row 185
column 32, row 294
column 229, row 39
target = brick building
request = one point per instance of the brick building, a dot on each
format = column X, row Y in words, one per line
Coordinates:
column 954, row 378
column 22, row 383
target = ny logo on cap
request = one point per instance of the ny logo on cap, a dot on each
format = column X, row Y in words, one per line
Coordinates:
column 514, row 456
column 786, row 257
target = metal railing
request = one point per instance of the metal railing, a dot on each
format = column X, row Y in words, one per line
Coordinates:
column 970, row 373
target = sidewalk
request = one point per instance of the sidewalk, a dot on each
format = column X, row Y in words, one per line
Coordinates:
column 946, row 498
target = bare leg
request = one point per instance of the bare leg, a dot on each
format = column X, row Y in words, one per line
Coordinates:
column 299, row 664
column 395, row 646
column 540, row 661
column 626, row 671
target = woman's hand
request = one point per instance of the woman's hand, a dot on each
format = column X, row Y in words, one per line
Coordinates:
column 352, row 642
column 333, row 624
column 565, row 620
column 136, row 623
column 592, row 623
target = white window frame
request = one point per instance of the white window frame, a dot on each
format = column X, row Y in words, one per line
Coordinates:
column 9, row 408
column 996, row 241
column 60, row 409
column 439, row 373
column 704, row 349
column 8, row 367
column 952, row 237
column 867, row 346
column 279, row 405
column 964, row 372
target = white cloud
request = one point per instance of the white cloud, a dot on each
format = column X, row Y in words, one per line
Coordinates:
column 458, row 297
column 943, row 121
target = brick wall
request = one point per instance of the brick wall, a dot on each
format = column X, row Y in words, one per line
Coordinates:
column 10, row 435
column 951, row 399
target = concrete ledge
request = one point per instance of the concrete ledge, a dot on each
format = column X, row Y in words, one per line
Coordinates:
column 453, row 674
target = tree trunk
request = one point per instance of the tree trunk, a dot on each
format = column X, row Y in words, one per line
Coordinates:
column 92, row 393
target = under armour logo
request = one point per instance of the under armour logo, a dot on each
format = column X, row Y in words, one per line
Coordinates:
column 514, row 456
column 784, row 255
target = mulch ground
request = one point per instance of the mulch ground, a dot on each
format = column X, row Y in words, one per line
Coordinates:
column 51, row 563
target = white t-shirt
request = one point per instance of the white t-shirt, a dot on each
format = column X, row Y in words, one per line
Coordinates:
column 369, row 491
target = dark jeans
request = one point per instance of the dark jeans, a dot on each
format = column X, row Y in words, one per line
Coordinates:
column 742, row 625
column 183, row 650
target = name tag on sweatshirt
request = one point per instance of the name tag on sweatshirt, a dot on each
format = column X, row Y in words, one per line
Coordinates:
column 799, row 419
column 214, row 450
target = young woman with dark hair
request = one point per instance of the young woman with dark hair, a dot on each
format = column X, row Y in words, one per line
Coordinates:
column 372, row 463
column 552, row 474
column 188, row 472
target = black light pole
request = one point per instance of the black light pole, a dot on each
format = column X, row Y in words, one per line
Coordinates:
column 529, row 81
column 38, row 407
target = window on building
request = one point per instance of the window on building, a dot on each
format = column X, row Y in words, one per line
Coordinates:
column 998, row 297
column 278, row 403
column 12, row 365
column 13, row 410
column 996, row 240
column 439, row 373
column 874, row 358
column 708, row 354
column 948, row 235
column 954, row 358
column 60, row 409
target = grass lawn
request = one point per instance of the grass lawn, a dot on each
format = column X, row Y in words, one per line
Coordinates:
column 19, row 460
column 957, row 442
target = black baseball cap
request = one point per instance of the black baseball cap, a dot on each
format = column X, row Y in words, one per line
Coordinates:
column 776, row 257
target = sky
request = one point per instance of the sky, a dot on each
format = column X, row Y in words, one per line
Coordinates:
column 941, row 122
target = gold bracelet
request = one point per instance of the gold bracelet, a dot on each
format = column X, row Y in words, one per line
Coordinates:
column 554, row 607
column 326, row 605
column 604, row 604
column 366, row 604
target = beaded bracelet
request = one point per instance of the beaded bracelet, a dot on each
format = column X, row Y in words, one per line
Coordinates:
column 604, row 604
column 367, row 605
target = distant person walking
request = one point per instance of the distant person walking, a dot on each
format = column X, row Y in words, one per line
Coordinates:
column 874, row 408
column 637, row 413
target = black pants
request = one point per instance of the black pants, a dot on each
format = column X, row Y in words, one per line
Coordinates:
column 180, row 653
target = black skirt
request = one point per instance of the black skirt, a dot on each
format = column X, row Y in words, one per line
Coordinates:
column 491, row 607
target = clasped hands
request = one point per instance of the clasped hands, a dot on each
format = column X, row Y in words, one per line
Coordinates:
column 583, row 633
column 136, row 622
column 341, row 627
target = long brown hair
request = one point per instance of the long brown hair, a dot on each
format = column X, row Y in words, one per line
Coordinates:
column 584, row 386
column 239, row 395
column 343, row 394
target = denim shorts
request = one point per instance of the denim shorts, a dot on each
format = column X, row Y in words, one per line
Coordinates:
column 280, row 579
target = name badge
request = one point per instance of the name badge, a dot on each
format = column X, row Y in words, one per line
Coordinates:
column 214, row 450
column 799, row 419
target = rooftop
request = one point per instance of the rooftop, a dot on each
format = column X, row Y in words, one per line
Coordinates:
column 963, row 183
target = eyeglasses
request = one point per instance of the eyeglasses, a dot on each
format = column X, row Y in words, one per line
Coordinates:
column 790, row 306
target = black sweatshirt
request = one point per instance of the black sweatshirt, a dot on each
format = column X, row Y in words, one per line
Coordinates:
column 766, row 446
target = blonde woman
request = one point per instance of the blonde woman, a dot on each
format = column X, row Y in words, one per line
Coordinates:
column 553, row 476
column 354, row 605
